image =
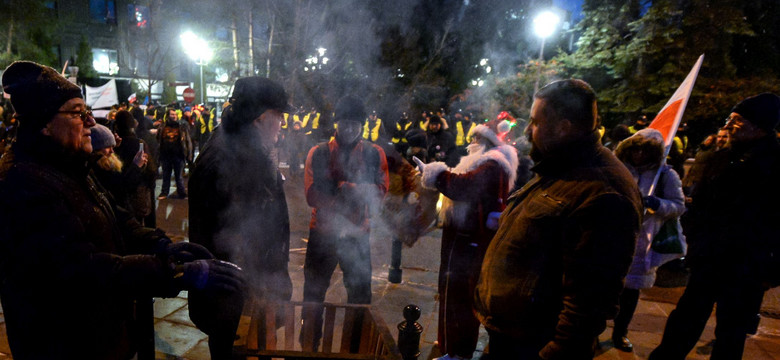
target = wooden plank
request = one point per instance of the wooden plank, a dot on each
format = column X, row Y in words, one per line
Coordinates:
column 327, row 334
column 254, row 331
column 390, row 347
column 304, row 355
column 346, row 331
column 289, row 326
column 269, row 312
column 308, row 315
column 366, row 334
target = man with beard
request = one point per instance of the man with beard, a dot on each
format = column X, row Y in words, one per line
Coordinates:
column 237, row 205
column 732, row 233
column 344, row 178
column 475, row 193
column 61, row 236
column 553, row 273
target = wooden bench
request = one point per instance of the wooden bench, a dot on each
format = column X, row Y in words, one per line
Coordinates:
column 349, row 332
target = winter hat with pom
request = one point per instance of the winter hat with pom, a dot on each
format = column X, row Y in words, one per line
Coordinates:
column 493, row 130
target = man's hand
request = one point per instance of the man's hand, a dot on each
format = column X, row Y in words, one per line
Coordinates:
column 182, row 252
column 210, row 275
column 420, row 164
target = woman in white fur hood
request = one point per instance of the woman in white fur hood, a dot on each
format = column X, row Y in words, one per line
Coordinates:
column 643, row 154
column 476, row 191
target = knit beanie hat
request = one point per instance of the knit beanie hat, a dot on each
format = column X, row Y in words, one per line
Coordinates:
column 350, row 108
column 494, row 130
column 101, row 137
column 37, row 92
column 762, row 110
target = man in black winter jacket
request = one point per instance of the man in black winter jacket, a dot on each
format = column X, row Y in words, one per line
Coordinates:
column 71, row 261
column 733, row 237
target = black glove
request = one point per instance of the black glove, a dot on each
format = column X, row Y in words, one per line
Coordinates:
column 651, row 202
column 210, row 275
column 182, row 252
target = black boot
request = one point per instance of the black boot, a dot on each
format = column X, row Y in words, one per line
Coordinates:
column 622, row 343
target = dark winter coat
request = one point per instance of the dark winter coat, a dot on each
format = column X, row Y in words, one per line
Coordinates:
column 731, row 224
column 553, row 272
column 238, row 210
column 175, row 141
column 441, row 147
column 63, row 263
column 338, row 206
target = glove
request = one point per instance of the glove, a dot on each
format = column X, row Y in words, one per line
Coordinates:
column 182, row 252
column 651, row 202
column 210, row 275
column 420, row 164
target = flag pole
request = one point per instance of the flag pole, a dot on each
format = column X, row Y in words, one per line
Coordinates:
column 682, row 94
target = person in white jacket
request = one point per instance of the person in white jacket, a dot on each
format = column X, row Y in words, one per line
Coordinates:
column 643, row 154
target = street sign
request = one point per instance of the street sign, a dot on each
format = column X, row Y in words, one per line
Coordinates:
column 189, row 95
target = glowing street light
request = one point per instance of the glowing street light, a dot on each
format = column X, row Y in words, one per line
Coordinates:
column 544, row 25
column 198, row 50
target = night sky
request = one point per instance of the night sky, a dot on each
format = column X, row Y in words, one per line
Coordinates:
column 575, row 6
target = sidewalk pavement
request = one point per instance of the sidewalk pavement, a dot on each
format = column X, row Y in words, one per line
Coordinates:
column 177, row 338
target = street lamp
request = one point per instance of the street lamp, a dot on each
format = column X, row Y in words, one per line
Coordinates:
column 544, row 26
column 198, row 50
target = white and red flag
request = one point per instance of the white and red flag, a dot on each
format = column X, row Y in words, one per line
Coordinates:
column 668, row 119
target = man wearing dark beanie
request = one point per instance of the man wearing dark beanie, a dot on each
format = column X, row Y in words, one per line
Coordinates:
column 62, row 238
column 733, row 237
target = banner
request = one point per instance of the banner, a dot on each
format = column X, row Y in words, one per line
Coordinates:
column 102, row 97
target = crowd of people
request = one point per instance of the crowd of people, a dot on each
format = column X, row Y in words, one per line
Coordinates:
column 541, row 261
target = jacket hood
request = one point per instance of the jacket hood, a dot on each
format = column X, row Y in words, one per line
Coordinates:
column 647, row 137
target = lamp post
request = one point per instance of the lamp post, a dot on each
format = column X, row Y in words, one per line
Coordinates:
column 198, row 50
column 544, row 26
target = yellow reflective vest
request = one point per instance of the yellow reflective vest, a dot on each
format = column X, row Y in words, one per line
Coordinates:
column 404, row 128
column 463, row 137
column 372, row 133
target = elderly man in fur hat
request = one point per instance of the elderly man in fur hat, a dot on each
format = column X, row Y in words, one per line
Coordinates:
column 733, row 237
column 70, row 260
column 237, row 205
column 476, row 191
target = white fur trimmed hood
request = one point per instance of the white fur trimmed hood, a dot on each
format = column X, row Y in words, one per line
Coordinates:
column 504, row 155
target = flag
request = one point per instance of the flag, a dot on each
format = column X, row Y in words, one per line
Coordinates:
column 131, row 99
column 668, row 119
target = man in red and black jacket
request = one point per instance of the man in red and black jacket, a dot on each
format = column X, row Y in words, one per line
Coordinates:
column 344, row 178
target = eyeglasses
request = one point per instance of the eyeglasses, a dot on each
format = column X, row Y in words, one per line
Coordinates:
column 83, row 114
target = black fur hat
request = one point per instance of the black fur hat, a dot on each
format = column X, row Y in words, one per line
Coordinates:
column 762, row 110
column 37, row 92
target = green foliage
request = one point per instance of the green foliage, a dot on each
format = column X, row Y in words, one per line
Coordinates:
column 169, row 92
column 84, row 61
column 27, row 32
column 636, row 63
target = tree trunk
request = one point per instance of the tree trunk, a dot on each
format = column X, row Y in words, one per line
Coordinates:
column 251, row 45
column 235, row 48
column 270, row 47
column 10, row 36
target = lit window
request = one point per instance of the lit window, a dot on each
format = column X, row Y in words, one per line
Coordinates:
column 105, row 61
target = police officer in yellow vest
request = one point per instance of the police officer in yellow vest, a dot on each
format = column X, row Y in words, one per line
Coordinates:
column 402, row 127
column 372, row 128
column 463, row 126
